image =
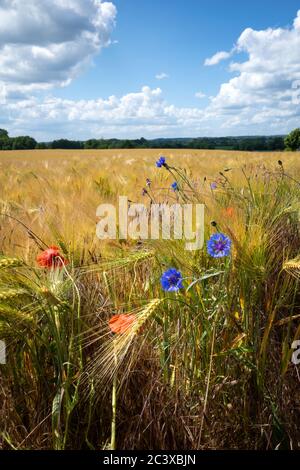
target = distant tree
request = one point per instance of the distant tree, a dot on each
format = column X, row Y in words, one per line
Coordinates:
column 23, row 143
column 3, row 134
column 66, row 144
column 292, row 141
column 127, row 144
column 91, row 144
column 41, row 146
column 5, row 141
column 252, row 143
column 143, row 143
column 6, row 145
column 276, row 143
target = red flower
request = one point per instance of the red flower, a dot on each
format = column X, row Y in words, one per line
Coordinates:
column 229, row 211
column 121, row 323
column 51, row 258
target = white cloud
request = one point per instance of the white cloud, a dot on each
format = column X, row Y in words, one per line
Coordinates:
column 200, row 95
column 297, row 21
column 258, row 99
column 218, row 57
column 47, row 43
column 161, row 76
column 263, row 91
column 132, row 115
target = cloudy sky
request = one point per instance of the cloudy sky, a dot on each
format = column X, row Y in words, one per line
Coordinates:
column 159, row 68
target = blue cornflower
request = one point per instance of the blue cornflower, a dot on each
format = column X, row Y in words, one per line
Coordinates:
column 174, row 186
column 161, row 162
column 219, row 245
column 171, row 280
column 213, row 185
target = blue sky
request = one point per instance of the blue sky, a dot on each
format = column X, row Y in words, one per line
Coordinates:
column 91, row 68
column 175, row 37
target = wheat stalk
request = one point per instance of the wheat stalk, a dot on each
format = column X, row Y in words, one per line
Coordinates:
column 136, row 257
column 292, row 266
column 6, row 294
column 110, row 356
column 6, row 262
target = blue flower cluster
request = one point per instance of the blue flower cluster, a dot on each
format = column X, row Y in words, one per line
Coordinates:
column 161, row 162
column 171, row 280
column 219, row 245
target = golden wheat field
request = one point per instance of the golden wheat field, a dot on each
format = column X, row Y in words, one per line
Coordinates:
column 149, row 232
column 61, row 189
column 141, row 344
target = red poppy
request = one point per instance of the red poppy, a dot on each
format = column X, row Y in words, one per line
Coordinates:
column 51, row 258
column 229, row 211
column 121, row 323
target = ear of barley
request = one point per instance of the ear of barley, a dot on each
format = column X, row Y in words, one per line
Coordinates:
column 126, row 262
column 6, row 294
column 145, row 314
column 8, row 331
column 6, row 262
column 14, row 316
column 292, row 266
column 111, row 355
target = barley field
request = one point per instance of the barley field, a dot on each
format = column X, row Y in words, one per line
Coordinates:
column 106, row 348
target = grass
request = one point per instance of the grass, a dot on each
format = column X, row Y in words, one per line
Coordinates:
column 207, row 367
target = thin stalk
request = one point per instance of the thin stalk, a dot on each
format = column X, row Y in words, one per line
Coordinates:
column 208, row 382
column 114, row 407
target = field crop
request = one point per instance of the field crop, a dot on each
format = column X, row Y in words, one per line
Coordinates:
column 101, row 353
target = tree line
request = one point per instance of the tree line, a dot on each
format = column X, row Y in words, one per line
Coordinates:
column 253, row 143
